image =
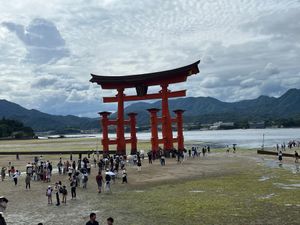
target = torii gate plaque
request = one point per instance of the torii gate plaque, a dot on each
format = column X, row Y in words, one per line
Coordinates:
column 141, row 82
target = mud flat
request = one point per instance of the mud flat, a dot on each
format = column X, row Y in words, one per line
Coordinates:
column 241, row 188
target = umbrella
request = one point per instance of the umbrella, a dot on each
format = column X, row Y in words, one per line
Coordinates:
column 110, row 173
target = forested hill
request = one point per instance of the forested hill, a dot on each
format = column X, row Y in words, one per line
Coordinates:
column 198, row 110
column 14, row 129
column 40, row 121
column 208, row 110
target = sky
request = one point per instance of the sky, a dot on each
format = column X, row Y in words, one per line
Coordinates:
column 48, row 49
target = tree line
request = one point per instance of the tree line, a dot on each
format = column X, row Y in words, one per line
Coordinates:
column 14, row 129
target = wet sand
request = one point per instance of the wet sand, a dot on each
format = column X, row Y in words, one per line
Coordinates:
column 30, row 206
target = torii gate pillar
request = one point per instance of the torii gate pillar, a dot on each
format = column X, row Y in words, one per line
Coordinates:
column 154, row 131
column 121, row 145
column 166, row 119
column 179, row 120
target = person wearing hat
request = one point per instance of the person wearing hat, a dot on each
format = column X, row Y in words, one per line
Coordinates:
column 3, row 203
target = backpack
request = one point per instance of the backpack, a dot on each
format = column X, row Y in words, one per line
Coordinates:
column 49, row 192
column 64, row 192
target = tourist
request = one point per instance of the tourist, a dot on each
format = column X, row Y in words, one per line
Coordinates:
column 3, row 171
column 150, row 157
column 110, row 221
column 92, row 220
column 234, row 148
column 85, row 179
column 139, row 165
column 15, row 177
column 64, row 194
column 124, row 176
column 99, row 180
column 3, row 204
column 56, row 190
column 59, row 167
column 163, row 160
column 73, row 187
column 11, row 171
column 49, row 194
column 27, row 181
column 296, row 157
column 29, row 168
column 280, row 156
column 107, row 182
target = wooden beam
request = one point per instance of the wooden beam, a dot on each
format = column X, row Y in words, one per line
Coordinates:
column 173, row 94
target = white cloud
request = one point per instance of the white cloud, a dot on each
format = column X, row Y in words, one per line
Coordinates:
column 48, row 50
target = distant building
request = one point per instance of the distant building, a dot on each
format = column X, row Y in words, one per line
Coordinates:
column 221, row 125
column 257, row 125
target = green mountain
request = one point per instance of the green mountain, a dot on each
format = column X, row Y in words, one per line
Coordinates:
column 208, row 110
column 45, row 122
column 198, row 110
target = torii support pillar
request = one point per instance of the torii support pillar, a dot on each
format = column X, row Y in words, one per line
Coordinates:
column 132, row 120
column 179, row 120
column 166, row 119
column 105, row 139
column 121, row 145
column 154, row 132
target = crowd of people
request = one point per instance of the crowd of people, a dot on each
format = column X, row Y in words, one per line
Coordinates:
column 92, row 220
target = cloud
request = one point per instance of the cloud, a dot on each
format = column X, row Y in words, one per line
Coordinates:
column 277, row 25
column 41, row 39
column 247, row 48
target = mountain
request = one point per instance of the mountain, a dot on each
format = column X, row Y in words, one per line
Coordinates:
column 208, row 110
column 40, row 121
column 198, row 110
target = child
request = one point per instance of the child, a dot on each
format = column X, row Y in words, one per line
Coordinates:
column 49, row 194
column 64, row 194
column 27, row 181
column 15, row 177
column 124, row 176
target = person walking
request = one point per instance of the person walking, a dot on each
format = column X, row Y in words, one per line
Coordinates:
column 27, row 181
column 99, row 180
column 124, row 176
column 296, row 157
column 15, row 177
column 49, row 194
column 85, row 179
column 73, row 187
column 139, row 165
column 3, row 171
column 56, row 190
column 64, row 194
column 107, row 182
column 3, row 205
column 92, row 220
column 280, row 156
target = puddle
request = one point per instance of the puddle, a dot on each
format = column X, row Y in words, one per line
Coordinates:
column 294, row 168
column 287, row 186
column 139, row 191
column 196, row 191
column 264, row 178
column 267, row 196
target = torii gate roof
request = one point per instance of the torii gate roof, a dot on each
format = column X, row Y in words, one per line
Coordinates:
column 148, row 79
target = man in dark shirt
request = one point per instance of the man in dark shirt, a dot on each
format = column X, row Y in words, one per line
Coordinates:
column 92, row 220
column 3, row 203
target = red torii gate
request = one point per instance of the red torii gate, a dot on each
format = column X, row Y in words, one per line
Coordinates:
column 141, row 82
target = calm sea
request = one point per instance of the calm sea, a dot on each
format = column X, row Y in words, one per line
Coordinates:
column 251, row 138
